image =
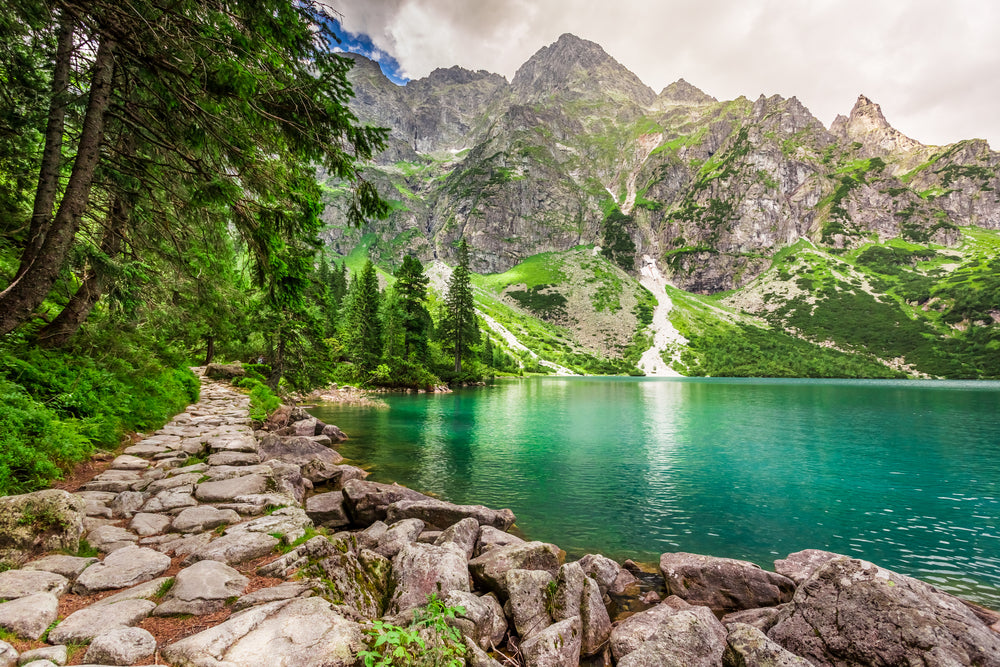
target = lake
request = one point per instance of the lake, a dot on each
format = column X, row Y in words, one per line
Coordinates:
column 905, row 474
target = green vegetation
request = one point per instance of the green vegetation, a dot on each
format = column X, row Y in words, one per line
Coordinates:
column 429, row 639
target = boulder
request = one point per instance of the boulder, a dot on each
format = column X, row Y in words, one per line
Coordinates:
column 66, row 566
column 128, row 462
column 723, row 584
column 236, row 548
column 421, row 569
column 201, row 518
column 463, row 534
column 359, row 581
column 602, row 570
column 147, row 590
column 397, row 536
column 127, row 503
column 55, row 654
column 440, row 514
column 490, row 569
column 232, row 442
column 283, row 591
column 333, row 433
column 301, row 632
column 327, row 510
column 483, row 619
column 317, row 461
column 762, row 618
column 307, row 426
column 490, row 538
column 8, row 655
column 672, row 634
column 171, row 499
column 121, row 646
column 228, row 489
column 202, row 588
column 852, row 612
column 529, row 594
column 800, row 565
column 29, row 616
column 110, row 538
column 556, row 646
column 225, row 371
column 568, row 591
column 367, row 502
column 22, row 583
column 122, row 568
column 41, row 521
column 594, row 619
column 746, row 646
column 289, row 522
column 83, row 625
column 145, row 524
column 234, row 459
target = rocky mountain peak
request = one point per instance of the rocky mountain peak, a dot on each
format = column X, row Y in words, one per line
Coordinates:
column 578, row 68
column 868, row 126
column 682, row 92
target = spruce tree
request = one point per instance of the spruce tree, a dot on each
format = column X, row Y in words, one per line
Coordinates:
column 411, row 286
column 460, row 330
column 362, row 333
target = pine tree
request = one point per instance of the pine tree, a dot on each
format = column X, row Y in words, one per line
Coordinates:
column 362, row 333
column 460, row 330
column 411, row 286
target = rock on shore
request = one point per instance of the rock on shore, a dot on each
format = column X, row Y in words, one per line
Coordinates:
column 208, row 519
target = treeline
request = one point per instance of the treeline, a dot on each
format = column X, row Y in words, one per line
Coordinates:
column 399, row 336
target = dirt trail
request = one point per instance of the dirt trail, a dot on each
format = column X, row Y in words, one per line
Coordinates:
column 515, row 344
column 664, row 333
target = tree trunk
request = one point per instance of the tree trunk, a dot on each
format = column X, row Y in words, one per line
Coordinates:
column 458, row 354
column 210, row 350
column 48, row 173
column 75, row 313
column 30, row 288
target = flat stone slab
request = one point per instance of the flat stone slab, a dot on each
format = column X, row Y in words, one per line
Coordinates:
column 173, row 481
column 236, row 548
column 67, row 566
column 290, row 522
column 171, row 499
column 441, row 514
column 233, row 443
column 57, row 654
column 283, row 591
column 145, row 524
column 110, row 538
column 83, row 625
column 327, row 509
column 121, row 569
column 302, row 632
column 29, row 616
column 234, row 459
column 202, row 518
column 144, row 591
column 129, row 462
column 229, row 489
column 202, row 588
column 22, row 583
column 121, row 646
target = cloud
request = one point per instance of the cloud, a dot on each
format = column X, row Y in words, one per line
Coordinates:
column 931, row 65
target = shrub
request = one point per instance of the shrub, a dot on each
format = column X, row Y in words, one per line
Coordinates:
column 428, row 640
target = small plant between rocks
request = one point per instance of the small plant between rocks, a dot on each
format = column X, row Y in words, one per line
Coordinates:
column 428, row 640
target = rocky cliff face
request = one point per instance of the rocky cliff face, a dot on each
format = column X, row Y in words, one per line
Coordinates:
column 712, row 189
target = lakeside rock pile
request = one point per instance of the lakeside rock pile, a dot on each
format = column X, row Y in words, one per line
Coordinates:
column 222, row 547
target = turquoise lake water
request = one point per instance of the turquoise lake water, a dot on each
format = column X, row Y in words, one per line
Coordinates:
column 905, row 474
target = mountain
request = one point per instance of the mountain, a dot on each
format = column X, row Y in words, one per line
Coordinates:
column 577, row 151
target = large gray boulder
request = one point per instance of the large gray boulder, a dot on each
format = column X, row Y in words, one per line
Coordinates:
column 360, row 581
column 483, row 619
column 490, row 569
column 440, row 514
column 746, row 646
column 528, row 593
column 29, row 616
column 327, row 509
column 301, row 632
column 22, row 583
column 852, row 612
column 121, row 646
column 421, row 569
column 83, row 625
column 723, row 584
column 672, row 633
column 318, row 462
column 66, row 566
column 556, row 646
column 229, row 489
column 491, row 538
column 41, row 521
column 201, row 518
column 463, row 534
column 367, row 502
column 202, row 588
column 122, row 568
column 397, row 536
column 594, row 618
column 225, row 371
column 236, row 548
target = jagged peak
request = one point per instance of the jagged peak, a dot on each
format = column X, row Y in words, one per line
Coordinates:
column 865, row 110
column 459, row 75
column 682, row 92
column 868, row 125
column 559, row 66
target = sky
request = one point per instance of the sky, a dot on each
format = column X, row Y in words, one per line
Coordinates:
column 933, row 66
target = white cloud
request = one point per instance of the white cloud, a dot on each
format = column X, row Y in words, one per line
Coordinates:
column 931, row 65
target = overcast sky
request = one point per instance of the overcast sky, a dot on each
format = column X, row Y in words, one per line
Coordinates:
column 933, row 66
